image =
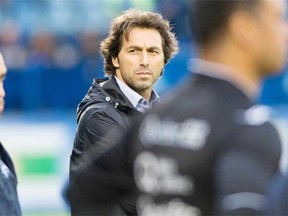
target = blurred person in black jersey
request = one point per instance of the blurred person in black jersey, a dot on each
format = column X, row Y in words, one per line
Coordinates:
column 207, row 149
column 9, row 203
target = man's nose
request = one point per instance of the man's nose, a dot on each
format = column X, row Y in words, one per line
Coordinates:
column 144, row 59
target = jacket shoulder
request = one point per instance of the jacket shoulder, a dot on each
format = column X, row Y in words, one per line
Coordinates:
column 7, row 159
column 104, row 114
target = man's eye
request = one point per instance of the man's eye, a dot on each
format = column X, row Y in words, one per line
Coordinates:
column 154, row 51
column 132, row 51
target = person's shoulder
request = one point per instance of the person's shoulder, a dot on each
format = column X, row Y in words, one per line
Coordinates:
column 201, row 94
column 255, row 130
column 96, row 110
column 5, row 157
column 3, row 151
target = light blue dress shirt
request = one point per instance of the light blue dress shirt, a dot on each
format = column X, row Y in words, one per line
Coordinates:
column 136, row 99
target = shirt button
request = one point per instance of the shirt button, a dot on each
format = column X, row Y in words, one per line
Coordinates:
column 107, row 98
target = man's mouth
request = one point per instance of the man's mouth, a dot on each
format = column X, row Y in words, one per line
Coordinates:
column 143, row 72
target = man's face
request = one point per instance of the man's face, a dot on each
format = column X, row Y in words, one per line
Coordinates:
column 140, row 60
column 3, row 71
column 272, row 36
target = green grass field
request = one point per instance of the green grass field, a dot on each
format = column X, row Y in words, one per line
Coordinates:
column 46, row 214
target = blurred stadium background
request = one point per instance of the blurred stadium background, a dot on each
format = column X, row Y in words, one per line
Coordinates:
column 51, row 48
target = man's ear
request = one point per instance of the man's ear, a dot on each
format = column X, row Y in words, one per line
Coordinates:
column 243, row 29
column 115, row 62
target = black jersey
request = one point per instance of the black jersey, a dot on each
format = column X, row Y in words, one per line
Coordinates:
column 205, row 150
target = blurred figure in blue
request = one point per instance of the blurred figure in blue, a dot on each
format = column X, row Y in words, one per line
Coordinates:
column 9, row 203
column 91, row 62
column 39, row 59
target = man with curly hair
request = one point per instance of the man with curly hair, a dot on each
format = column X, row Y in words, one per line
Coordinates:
column 135, row 52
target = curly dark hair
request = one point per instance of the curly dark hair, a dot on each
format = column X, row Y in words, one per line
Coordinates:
column 122, row 26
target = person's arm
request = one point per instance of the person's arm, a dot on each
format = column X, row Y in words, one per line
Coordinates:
column 100, row 133
column 244, row 171
column 90, row 134
column 96, row 133
column 102, row 183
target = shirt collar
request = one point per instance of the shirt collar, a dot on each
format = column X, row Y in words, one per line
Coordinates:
column 133, row 96
column 220, row 71
column 154, row 97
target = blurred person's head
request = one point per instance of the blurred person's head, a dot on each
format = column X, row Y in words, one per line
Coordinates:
column 10, row 33
column 42, row 42
column 253, row 32
column 90, row 43
column 137, row 48
column 3, row 72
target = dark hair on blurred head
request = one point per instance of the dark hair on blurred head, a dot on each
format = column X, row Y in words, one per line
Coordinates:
column 209, row 18
column 122, row 26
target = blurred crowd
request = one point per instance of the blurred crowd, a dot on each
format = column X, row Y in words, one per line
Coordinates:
column 51, row 48
column 47, row 60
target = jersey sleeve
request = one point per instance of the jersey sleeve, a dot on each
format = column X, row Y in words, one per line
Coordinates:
column 244, row 171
